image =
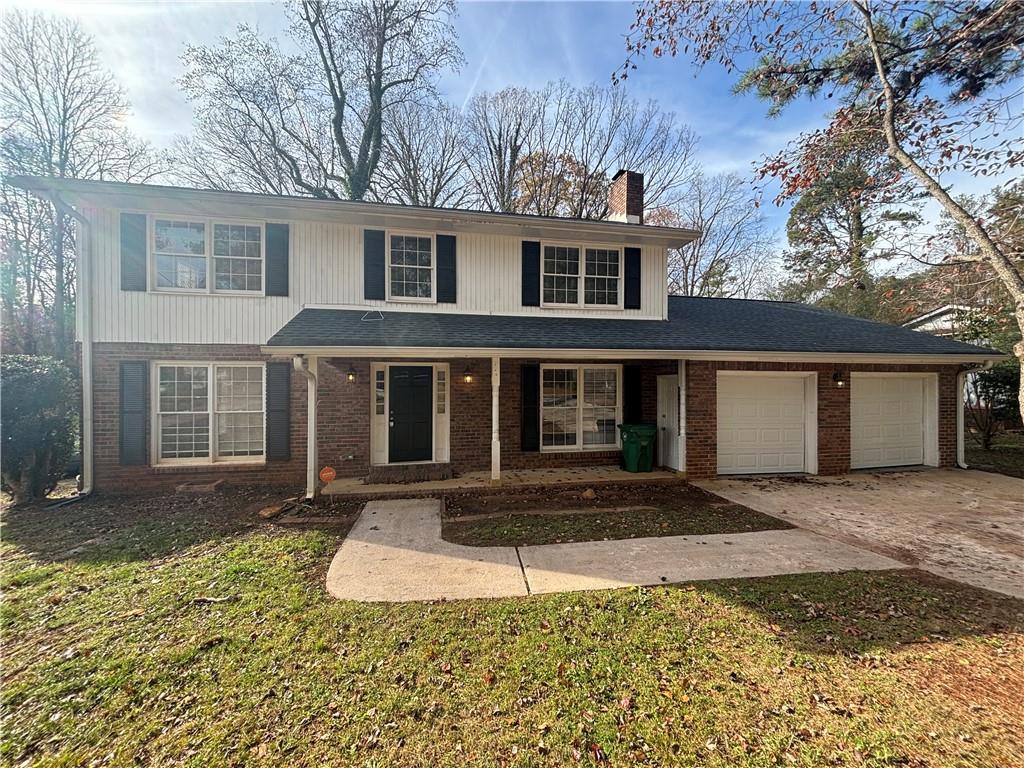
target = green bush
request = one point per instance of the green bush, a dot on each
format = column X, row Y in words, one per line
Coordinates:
column 38, row 414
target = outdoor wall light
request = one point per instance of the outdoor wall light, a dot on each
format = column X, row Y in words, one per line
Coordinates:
column 467, row 376
column 351, row 373
column 837, row 377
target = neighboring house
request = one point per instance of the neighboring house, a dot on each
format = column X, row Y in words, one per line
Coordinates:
column 260, row 338
column 943, row 321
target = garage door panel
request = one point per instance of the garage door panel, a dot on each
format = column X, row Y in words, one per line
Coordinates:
column 760, row 424
column 886, row 421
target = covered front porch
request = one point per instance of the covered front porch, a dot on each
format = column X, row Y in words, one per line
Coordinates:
column 376, row 419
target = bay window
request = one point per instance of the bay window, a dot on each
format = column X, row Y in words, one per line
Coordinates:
column 207, row 412
column 580, row 407
column 202, row 256
column 565, row 267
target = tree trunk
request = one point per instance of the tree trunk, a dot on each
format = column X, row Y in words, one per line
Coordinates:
column 1008, row 272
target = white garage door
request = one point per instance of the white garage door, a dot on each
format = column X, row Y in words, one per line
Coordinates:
column 760, row 424
column 886, row 421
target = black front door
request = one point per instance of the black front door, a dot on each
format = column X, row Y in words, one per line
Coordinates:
column 410, row 422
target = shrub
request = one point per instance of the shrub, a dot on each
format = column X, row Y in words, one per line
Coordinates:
column 38, row 415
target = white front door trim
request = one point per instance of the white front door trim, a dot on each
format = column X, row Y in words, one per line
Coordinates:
column 379, row 449
column 668, row 422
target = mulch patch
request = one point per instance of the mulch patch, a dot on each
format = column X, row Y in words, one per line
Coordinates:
column 527, row 517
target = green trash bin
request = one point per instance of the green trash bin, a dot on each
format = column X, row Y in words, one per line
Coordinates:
column 638, row 446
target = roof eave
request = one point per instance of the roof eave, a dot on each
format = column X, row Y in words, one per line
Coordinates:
column 136, row 196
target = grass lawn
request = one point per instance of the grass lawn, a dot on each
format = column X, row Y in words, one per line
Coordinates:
column 617, row 512
column 180, row 631
column 1006, row 456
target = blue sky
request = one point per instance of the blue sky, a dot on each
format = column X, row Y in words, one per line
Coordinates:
column 524, row 43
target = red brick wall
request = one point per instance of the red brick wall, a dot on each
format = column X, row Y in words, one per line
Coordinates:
column 833, row 412
column 108, row 474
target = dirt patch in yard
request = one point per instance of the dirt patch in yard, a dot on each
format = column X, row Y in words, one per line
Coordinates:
column 548, row 516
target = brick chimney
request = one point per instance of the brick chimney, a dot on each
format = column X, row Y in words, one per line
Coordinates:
column 626, row 197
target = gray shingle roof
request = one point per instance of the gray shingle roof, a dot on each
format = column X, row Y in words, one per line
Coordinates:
column 693, row 324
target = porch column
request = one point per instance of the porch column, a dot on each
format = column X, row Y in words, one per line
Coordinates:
column 682, row 416
column 495, row 436
column 308, row 368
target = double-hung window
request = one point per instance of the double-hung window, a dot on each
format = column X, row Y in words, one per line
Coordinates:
column 410, row 267
column 203, row 256
column 566, row 267
column 580, row 407
column 207, row 412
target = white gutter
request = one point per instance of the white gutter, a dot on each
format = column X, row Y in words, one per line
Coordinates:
column 618, row 354
column 961, row 381
column 308, row 368
column 83, row 242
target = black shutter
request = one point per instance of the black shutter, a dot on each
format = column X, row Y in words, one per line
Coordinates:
column 531, row 274
column 279, row 379
column 632, row 394
column 446, row 277
column 529, row 394
column 133, row 251
column 631, row 296
column 134, row 385
column 277, row 259
column 373, row 264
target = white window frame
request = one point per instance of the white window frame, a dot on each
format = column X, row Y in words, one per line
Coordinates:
column 579, row 446
column 582, row 274
column 388, row 234
column 208, row 224
column 211, row 410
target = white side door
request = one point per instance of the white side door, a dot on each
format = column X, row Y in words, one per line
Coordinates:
column 668, row 422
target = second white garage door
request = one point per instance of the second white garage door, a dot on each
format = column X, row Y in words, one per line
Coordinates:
column 762, row 424
column 887, row 420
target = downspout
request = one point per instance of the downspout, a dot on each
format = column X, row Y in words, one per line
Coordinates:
column 961, row 381
column 83, row 242
column 308, row 368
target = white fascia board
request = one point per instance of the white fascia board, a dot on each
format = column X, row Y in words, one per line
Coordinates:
column 184, row 201
column 618, row 354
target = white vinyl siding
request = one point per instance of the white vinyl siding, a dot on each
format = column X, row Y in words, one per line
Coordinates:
column 326, row 269
column 208, row 412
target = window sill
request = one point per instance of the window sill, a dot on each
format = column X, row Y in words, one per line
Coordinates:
column 580, row 449
column 410, row 300
column 201, row 292
column 214, row 465
column 606, row 307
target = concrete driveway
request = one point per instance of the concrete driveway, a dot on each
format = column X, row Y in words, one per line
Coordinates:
column 395, row 553
column 961, row 524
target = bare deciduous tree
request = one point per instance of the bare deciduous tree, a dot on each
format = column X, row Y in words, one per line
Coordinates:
column 552, row 152
column 423, row 162
column 62, row 115
column 319, row 117
column 730, row 257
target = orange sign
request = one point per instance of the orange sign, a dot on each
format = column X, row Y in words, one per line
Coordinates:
column 327, row 474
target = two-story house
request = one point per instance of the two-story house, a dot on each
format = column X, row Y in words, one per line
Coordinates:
column 262, row 338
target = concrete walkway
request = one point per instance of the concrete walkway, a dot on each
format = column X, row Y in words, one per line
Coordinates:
column 962, row 525
column 395, row 553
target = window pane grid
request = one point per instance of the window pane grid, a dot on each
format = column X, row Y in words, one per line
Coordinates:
column 561, row 274
column 238, row 265
column 411, row 267
column 378, row 393
column 601, row 284
column 186, row 408
column 180, row 250
column 442, row 386
column 579, row 416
